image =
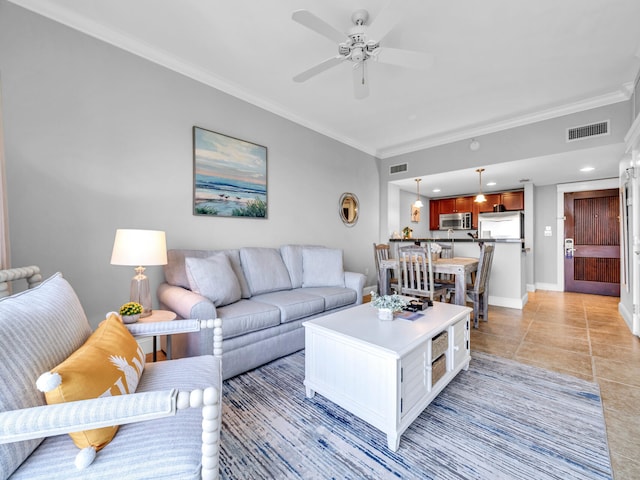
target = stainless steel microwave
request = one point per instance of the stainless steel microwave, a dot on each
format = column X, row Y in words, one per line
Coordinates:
column 455, row 221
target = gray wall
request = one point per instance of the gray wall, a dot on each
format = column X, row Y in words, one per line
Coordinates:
column 98, row 139
column 546, row 248
column 421, row 228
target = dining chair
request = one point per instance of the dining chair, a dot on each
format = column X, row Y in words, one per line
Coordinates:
column 381, row 251
column 478, row 292
column 446, row 252
column 416, row 273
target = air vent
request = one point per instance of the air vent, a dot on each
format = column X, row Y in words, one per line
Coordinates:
column 397, row 168
column 588, row 131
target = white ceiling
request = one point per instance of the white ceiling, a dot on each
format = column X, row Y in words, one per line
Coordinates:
column 498, row 63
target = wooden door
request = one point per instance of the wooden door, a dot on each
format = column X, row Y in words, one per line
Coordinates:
column 592, row 242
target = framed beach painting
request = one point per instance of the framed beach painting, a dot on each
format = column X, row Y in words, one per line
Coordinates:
column 229, row 176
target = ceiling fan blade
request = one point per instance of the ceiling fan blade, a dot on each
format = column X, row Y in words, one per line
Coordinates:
column 309, row 20
column 405, row 58
column 360, row 81
column 384, row 22
column 319, row 68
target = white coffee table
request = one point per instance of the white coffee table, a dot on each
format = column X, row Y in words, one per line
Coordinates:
column 382, row 371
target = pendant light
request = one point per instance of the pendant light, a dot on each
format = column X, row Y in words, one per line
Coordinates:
column 480, row 197
column 418, row 202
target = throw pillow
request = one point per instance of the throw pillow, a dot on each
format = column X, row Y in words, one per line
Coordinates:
column 322, row 267
column 214, row 278
column 109, row 363
column 264, row 270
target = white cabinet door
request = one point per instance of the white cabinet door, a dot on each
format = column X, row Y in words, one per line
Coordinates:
column 415, row 378
column 460, row 342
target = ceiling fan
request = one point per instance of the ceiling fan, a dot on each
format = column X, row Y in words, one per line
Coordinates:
column 361, row 44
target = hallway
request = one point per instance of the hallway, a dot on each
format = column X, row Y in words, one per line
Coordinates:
column 581, row 335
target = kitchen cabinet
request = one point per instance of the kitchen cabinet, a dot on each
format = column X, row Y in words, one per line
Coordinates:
column 492, row 199
column 434, row 214
column 456, row 205
column 513, row 200
column 510, row 200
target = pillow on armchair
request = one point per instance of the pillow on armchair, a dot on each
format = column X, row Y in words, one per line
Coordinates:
column 109, row 363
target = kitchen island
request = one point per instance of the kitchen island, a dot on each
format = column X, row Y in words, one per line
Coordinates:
column 507, row 280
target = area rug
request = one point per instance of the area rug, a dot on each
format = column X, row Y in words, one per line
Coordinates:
column 498, row 420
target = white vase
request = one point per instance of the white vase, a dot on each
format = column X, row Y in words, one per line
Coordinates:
column 130, row 318
column 385, row 314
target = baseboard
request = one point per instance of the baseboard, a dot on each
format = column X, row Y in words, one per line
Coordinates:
column 146, row 344
column 627, row 315
column 531, row 287
column 367, row 290
column 553, row 287
column 509, row 302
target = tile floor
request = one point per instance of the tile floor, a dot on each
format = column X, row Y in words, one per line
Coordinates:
column 584, row 336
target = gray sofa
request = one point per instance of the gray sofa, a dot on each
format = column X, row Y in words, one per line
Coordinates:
column 262, row 295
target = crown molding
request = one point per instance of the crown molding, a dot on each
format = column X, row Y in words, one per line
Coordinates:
column 141, row 49
column 620, row 95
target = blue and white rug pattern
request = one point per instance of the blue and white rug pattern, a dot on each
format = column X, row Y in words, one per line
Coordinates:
column 498, row 420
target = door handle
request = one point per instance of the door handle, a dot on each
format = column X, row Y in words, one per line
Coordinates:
column 568, row 248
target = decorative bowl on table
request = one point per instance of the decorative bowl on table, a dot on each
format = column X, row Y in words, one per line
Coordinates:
column 130, row 312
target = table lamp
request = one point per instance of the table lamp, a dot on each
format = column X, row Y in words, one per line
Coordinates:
column 138, row 248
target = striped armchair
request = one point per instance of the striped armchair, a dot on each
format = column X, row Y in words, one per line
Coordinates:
column 169, row 427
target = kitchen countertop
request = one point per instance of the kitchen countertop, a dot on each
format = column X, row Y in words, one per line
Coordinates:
column 458, row 240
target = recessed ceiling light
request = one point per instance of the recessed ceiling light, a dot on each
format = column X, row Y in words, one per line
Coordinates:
column 435, row 190
column 587, row 169
column 491, row 184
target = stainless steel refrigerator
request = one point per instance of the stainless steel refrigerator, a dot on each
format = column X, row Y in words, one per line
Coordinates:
column 503, row 225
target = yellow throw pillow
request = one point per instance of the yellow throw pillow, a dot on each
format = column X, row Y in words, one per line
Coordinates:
column 109, row 363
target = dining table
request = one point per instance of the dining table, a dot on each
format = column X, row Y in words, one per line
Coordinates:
column 460, row 267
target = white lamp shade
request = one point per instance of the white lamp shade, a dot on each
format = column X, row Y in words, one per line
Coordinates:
column 139, row 247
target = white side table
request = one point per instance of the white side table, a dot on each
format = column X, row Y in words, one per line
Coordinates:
column 160, row 316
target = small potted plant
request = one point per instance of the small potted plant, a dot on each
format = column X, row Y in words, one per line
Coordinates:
column 407, row 232
column 130, row 312
column 387, row 305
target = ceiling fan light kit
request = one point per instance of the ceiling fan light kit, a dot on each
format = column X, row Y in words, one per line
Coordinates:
column 362, row 43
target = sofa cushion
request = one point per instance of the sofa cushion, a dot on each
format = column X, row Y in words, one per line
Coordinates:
column 293, row 304
column 247, row 316
column 322, row 267
column 175, row 270
column 264, row 270
column 213, row 278
column 334, row 297
column 109, row 363
column 292, row 257
column 40, row 328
